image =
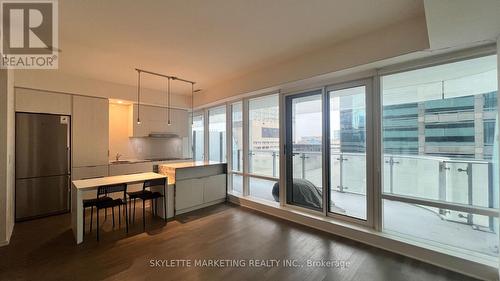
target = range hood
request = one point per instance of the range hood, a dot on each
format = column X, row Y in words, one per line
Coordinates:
column 162, row 135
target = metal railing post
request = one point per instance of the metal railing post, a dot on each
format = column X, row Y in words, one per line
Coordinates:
column 341, row 172
column 250, row 166
column 238, row 160
column 303, row 159
column 468, row 171
column 220, row 146
column 274, row 164
column 391, row 163
column 442, row 184
column 193, row 145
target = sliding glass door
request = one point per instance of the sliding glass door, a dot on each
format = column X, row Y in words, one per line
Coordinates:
column 304, row 152
column 347, row 148
column 327, row 152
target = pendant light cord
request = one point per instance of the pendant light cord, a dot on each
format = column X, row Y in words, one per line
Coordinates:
column 138, row 96
column 192, row 103
column 168, row 108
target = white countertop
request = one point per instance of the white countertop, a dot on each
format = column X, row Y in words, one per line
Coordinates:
column 135, row 161
column 132, row 178
column 190, row 164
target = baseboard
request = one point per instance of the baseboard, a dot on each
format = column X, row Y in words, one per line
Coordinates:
column 187, row 210
column 4, row 243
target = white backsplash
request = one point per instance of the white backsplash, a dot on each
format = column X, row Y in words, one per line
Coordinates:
column 145, row 148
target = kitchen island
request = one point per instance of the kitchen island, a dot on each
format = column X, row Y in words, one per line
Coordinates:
column 79, row 187
column 197, row 184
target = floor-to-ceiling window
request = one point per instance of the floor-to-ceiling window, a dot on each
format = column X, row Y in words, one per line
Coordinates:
column 198, row 137
column 263, row 146
column 347, row 133
column 438, row 151
column 440, row 184
column 237, row 146
column 217, row 134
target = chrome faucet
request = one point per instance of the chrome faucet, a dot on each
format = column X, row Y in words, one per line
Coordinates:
column 118, row 155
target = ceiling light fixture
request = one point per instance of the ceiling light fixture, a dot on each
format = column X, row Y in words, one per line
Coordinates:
column 139, row 71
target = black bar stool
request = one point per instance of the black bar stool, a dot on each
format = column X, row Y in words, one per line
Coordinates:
column 104, row 204
column 91, row 203
column 146, row 194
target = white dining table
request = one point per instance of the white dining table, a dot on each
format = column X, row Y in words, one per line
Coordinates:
column 79, row 187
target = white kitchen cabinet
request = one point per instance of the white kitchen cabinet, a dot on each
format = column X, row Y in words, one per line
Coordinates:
column 130, row 168
column 80, row 173
column 188, row 193
column 154, row 120
column 90, row 120
column 38, row 101
column 214, row 188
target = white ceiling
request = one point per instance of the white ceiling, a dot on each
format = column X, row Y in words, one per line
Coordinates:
column 208, row 41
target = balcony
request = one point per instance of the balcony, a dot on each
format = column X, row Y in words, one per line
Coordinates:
column 442, row 201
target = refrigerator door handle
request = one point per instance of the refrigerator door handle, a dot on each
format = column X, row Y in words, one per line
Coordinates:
column 68, row 166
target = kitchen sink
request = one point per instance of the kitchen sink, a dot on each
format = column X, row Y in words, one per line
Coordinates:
column 121, row 162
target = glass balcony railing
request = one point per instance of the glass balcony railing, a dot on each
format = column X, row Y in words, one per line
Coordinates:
column 466, row 182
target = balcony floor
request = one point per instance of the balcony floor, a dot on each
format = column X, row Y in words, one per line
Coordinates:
column 412, row 221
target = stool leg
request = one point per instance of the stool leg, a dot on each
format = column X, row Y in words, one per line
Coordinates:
column 143, row 215
column 119, row 216
column 164, row 203
column 130, row 211
column 91, row 216
column 126, row 217
column 97, row 227
column 156, row 207
column 113, row 214
column 134, row 210
column 83, row 221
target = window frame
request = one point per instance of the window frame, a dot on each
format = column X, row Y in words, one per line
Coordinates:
column 432, row 61
column 193, row 115
column 371, row 184
column 224, row 106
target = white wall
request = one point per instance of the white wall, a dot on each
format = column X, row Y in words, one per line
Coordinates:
column 392, row 41
column 7, row 153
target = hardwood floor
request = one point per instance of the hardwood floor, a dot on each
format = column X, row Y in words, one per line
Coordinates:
column 45, row 250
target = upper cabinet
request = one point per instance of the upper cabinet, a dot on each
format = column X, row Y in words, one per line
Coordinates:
column 154, row 120
column 38, row 101
column 90, row 131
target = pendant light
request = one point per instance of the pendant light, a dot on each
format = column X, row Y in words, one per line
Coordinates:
column 138, row 96
column 168, row 106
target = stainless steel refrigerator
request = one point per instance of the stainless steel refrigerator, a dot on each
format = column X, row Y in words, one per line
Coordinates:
column 42, row 165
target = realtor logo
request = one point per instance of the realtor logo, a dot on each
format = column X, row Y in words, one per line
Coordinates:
column 29, row 34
